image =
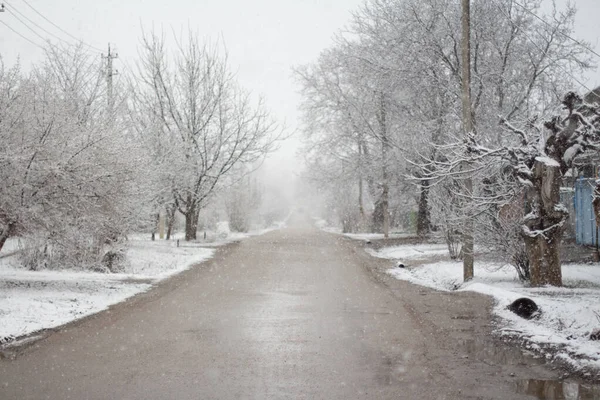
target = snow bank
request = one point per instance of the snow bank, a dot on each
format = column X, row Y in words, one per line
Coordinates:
column 569, row 314
column 34, row 300
column 28, row 305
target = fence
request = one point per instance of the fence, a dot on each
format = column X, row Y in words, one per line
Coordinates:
column 586, row 231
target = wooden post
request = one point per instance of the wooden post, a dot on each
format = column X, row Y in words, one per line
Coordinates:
column 467, row 116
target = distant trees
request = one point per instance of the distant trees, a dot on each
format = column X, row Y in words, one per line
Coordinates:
column 386, row 99
column 242, row 199
column 352, row 113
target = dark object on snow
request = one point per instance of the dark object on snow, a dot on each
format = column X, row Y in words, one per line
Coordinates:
column 400, row 265
column 524, row 308
column 113, row 260
column 368, row 242
column 595, row 335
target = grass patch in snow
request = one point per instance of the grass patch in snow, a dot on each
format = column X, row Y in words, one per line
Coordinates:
column 321, row 224
column 410, row 251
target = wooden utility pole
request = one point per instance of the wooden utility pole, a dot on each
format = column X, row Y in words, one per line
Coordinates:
column 467, row 115
column 109, row 79
column 385, row 144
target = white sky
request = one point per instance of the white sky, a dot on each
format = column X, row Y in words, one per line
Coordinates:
column 265, row 38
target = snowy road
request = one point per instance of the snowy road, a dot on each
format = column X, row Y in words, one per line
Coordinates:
column 293, row 314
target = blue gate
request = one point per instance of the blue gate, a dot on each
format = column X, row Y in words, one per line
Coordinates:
column 585, row 220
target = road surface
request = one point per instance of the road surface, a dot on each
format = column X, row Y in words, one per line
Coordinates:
column 293, row 314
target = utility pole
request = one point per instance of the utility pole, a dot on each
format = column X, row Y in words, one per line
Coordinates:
column 467, row 116
column 109, row 79
column 385, row 144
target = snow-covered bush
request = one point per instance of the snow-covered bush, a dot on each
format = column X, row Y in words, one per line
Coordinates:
column 70, row 175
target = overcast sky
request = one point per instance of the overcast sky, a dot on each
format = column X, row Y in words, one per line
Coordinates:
column 265, row 38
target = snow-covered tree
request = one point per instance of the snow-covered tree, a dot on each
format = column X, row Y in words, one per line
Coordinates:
column 539, row 165
column 352, row 113
column 69, row 176
column 207, row 123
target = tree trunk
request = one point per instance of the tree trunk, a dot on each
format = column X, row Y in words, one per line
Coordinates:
column 543, row 225
column 191, row 223
column 544, row 259
column 377, row 217
column 385, row 208
column 596, row 203
column 423, row 222
column 361, row 205
column 155, row 226
column 170, row 220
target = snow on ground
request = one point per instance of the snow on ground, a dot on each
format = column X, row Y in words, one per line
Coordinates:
column 28, row 305
column 569, row 314
column 11, row 246
column 34, row 300
column 160, row 259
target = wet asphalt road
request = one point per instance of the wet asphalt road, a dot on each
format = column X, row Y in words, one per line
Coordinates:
column 292, row 314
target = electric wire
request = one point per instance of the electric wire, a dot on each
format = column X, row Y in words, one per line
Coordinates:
column 541, row 50
column 24, row 24
column 59, row 28
column 13, row 9
column 24, row 37
column 562, row 33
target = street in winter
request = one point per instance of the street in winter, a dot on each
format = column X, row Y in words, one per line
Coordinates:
column 294, row 313
column 359, row 199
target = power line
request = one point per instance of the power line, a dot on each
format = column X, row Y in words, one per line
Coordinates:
column 59, row 28
column 562, row 33
column 24, row 24
column 14, row 9
column 29, row 40
column 540, row 49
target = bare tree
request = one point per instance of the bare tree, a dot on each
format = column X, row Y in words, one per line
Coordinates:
column 208, row 123
column 352, row 110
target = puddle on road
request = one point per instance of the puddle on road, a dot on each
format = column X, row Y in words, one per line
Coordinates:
column 558, row 390
column 501, row 353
